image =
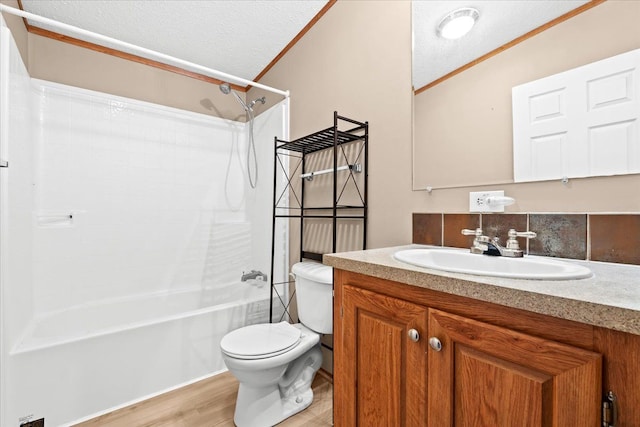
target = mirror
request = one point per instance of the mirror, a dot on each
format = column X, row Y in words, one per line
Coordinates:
column 497, row 24
column 579, row 123
column 463, row 133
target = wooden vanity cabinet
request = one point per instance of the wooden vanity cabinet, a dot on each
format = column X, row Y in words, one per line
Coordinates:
column 496, row 366
column 377, row 355
column 484, row 375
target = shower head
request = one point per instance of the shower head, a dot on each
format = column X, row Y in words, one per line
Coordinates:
column 226, row 89
column 263, row 100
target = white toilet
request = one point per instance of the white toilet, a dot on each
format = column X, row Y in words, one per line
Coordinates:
column 275, row 363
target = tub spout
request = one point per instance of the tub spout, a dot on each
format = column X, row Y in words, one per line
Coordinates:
column 253, row 274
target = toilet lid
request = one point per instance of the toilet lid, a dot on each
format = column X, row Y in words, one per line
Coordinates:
column 260, row 341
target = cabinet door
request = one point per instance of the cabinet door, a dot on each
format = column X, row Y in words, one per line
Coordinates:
column 485, row 375
column 380, row 371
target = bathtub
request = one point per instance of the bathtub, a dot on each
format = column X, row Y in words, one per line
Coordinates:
column 87, row 360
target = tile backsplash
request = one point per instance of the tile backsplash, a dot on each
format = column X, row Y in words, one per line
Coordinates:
column 615, row 238
column 559, row 235
column 596, row 237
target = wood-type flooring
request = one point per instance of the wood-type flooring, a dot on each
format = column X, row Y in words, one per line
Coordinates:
column 210, row 403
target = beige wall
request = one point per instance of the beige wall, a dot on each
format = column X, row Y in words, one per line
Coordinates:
column 357, row 60
column 463, row 132
column 18, row 29
column 72, row 65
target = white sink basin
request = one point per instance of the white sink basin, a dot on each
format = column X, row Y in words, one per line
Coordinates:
column 537, row 268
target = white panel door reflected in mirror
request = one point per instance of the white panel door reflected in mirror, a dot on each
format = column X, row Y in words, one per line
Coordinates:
column 579, row 123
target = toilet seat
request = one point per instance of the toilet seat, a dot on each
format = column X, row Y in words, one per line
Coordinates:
column 261, row 341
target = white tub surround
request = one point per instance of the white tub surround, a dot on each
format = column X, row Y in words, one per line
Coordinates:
column 125, row 229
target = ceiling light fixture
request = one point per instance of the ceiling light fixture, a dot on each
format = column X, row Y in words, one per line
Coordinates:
column 457, row 23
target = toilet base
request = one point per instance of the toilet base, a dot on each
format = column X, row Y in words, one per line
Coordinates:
column 268, row 405
column 268, row 410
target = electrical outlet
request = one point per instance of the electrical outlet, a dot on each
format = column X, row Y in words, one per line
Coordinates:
column 478, row 201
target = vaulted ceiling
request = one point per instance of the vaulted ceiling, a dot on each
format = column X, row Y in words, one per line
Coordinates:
column 243, row 38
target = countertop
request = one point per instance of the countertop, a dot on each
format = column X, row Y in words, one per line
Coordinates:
column 609, row 299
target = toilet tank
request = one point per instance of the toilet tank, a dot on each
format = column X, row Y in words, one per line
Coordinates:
column 314, row 295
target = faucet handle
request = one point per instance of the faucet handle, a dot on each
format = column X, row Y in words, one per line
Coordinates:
column 479, row 237
column 477, row 232
column 512, row 243
column 528, row 234
column 479, row 242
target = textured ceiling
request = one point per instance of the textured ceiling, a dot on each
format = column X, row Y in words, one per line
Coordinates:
column 241, row 37
column 500, row 22
column 236, row 37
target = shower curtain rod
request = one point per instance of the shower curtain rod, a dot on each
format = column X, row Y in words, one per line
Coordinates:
column 170, row 60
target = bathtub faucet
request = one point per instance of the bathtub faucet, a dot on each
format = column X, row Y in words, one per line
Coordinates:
column 253, row 274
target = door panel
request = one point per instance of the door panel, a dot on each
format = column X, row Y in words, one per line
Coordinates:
column 385, row 381
column 379, row 373
column 489, row 391
column 491, row 376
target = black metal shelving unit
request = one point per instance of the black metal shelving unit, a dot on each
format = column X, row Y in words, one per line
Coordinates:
column 348, row 139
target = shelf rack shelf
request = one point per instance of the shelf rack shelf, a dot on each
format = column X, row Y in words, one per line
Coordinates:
column 347, row 143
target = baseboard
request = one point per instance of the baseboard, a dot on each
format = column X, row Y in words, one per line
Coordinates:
column 326, row 375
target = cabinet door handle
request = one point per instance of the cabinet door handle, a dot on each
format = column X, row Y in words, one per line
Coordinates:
column 413, row 335
column 435, row 344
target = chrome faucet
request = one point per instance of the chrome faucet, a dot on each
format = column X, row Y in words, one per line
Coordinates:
column 480, row 242
column 253, row 274
column 491, row 246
